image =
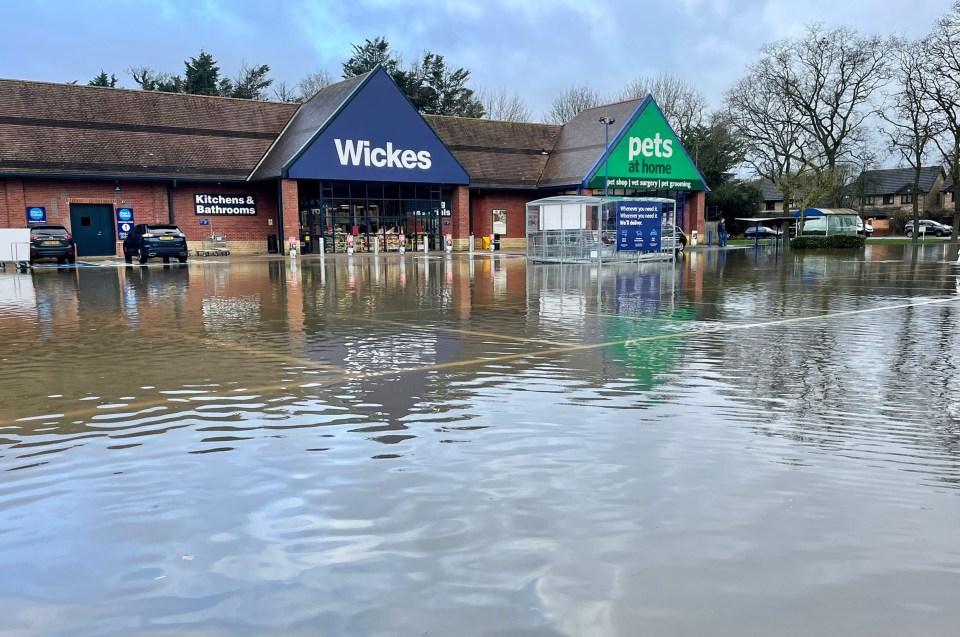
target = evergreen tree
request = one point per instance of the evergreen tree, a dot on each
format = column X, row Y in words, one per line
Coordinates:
column 251, row 82
column 435, row 90
column 202, row 76
column 103, row 80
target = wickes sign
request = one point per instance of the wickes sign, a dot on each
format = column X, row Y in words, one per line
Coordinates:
column 357, row 153
column 648, row 157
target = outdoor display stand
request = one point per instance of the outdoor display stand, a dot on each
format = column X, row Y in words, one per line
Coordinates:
column 580, row 229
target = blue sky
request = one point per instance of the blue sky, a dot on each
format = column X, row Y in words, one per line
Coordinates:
column 535, row 47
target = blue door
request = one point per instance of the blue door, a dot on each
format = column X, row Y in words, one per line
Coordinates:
column 92, row 227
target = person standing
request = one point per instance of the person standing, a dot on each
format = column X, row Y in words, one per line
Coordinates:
column 722, row 233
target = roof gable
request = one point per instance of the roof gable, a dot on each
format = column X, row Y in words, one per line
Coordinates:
column 890, row 181
column 375, row 134
column 646, row 154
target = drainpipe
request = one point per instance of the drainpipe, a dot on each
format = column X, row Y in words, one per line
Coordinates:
column 280, row 215
column 170, row 214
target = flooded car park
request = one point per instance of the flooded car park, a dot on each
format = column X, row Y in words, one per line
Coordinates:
column 745, row 442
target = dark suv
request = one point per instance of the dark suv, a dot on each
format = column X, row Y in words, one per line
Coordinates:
column 52, row 242
column 148, row 240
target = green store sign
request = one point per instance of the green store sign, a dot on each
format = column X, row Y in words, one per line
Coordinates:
column 648, row 156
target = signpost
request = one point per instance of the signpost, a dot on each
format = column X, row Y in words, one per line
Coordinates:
column 639, row 226
column 124, row 222
column 36, row 214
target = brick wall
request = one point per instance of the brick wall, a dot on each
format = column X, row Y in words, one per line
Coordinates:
column 514, row 202
column 149, row 203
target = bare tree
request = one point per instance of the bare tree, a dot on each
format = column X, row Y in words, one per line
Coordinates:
column 570, row 103
column 831, row 78
column 309, row 84
column 911, row 127
column 283, row 92
column 941, row 73
column 682, row 103
column 500, row 105
column 767, row 123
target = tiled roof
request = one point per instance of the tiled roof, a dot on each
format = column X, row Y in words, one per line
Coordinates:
column 70, row 130
column 580, row 144
column 313, row 114
column 770, row 192
column 497, row 154
column 898, row 180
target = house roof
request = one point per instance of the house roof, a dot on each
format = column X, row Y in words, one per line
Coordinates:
column 70, row 130
column 497, row 154
column 304, row 125
column 891, row 181
column 580, row 143
column 770, row 192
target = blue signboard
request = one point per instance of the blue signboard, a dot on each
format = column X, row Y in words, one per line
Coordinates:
column 124, row 222
column 204, row 222
column 377, row 136
column 36, row 214
column 638, row 225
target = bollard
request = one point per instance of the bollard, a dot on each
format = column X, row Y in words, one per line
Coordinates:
column 376, row 245
column 470, row 244
column 424, row 247
column 491, row 243
column 323, row 247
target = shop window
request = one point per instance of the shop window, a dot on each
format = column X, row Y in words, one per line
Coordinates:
column 906, row 199
column 887, row 200
column 358, row 190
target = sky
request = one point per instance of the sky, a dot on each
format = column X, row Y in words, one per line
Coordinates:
column 536, row 48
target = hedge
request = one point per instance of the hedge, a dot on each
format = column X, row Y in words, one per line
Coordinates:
column 842, row 241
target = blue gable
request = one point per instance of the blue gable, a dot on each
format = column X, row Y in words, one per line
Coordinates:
column 377, row 135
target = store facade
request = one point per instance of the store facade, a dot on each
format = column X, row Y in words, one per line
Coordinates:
column 356, row 166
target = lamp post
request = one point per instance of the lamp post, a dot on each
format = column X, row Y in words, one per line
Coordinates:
column 606, row 121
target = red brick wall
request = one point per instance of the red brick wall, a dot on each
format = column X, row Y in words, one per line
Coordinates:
column 291, row 213
column 149, row 203
column 694, row 218
column 236, row 229
column 513, row 202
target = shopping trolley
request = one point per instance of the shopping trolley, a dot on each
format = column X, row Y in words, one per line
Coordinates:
column 214, row 246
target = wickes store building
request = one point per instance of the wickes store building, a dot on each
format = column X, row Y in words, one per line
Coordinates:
column 354, row 164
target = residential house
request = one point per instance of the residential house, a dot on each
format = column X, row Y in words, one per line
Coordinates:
column 885, row 193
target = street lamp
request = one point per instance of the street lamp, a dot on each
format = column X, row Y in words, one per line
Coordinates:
column 606, row 121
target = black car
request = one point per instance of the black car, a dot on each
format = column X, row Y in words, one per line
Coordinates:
column 52, row 242
column 763, row 232
column 148, row 240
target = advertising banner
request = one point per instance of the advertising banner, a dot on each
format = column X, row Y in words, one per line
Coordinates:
column 638, row 225
column 499, row 221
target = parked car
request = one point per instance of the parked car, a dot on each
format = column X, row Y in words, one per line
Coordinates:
column 52, row 242
column 668, row 232
column 864, row 227
column 149, row 240
column 763, row 232
column 928, row 227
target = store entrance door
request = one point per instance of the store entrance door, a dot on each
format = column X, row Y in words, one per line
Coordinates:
column 92, row 227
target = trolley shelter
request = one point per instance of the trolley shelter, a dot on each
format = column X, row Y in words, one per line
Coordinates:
column 584, row 229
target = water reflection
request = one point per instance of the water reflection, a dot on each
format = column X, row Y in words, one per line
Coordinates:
column 482, row 446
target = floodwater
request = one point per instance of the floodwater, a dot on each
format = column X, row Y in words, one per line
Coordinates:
column 739, row 444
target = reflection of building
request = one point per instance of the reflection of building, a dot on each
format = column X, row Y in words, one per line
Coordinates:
column 355, row 165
